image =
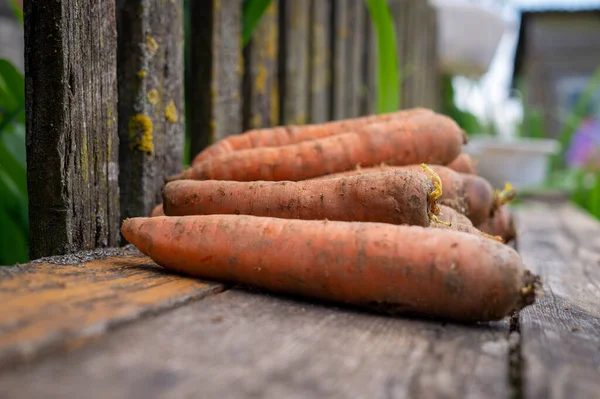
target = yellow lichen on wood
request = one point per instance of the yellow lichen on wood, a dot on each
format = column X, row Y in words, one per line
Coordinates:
column 151, row 45
column 274, row 105
column 261, row 78
column 140, row 134
column 142, row 74
column 153, row 96
column 171, row 112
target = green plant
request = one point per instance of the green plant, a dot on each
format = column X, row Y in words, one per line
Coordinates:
column 14, row 233
column 388, row 94
column 576, row 117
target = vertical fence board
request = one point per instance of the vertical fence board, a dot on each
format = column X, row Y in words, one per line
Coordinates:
column 433, row 79
column 260, row 85
column 340, row 18
column 354, row 61
column 294, row 33
column 151, row 104
column 320, row 67
column 369, row 96
column 215, row 71
column 72, row 141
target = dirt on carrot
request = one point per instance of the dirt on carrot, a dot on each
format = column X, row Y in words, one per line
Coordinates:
column 293, row 134
column 396, row 197
column 432, row 272
column 420, row 139
column 469, row 194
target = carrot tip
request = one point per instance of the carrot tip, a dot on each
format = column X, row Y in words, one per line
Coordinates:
column 530, row 290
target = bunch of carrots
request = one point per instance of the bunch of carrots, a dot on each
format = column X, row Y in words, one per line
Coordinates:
column 384, row 212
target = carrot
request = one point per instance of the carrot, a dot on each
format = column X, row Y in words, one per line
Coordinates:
column 463, row 164
column 158, row 211
column 292, row 134
column 399, row 197
column 400, row 269
column 469, row 194
column 398, row 142
column 459, row 222
column 501, row 224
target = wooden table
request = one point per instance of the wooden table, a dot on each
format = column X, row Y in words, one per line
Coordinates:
column 111, row 324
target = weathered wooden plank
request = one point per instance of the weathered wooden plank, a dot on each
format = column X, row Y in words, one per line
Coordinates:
column 339, row 57
column 59, row 303
column 241, row 344
column 320, row 66
column 72, row 142
column 432, row 83
column 420, row 53
column 399, row 9
column 260, row 83
column 151, row 100
column 214, row 71
column 560, row 336
column 294, row 35
column 369, row 95
column 354, row 61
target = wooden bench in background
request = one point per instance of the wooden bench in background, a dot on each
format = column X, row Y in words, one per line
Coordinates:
column 105, row 124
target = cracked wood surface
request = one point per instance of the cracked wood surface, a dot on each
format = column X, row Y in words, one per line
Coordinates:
column 61, row 302
column 246, row 344
column 561, row 335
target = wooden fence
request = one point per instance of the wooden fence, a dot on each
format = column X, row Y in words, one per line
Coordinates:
column 106, row 103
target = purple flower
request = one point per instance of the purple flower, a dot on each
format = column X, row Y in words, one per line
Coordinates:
column 585, row 144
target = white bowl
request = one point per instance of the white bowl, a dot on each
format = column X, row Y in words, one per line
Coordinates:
column 522, row 162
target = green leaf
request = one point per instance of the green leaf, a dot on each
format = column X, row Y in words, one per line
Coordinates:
column 12, row 87
column 251, row 16
column 17, row 10
column 13, row 241
column 14, row 205
column 12, row 158
column 388, row 93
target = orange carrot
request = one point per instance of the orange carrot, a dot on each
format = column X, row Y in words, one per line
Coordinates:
column 501, row 224
column 463, row 164
column 471, row 195
column 459, row 222
column 398, row 142
column 400, row 197
column 401, row 269
column 158, row 211
column 292, row 134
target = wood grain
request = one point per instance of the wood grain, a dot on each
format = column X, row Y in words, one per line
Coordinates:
column 243, row 344
column 368, row 103
column 151, row 103
column 339, row 57
column 260, row 83
column 354, row 61
column 560, row 336
column 71, row 119
column 294, row 35
column 320, row 65
column 215, row 70
column 59, row 303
